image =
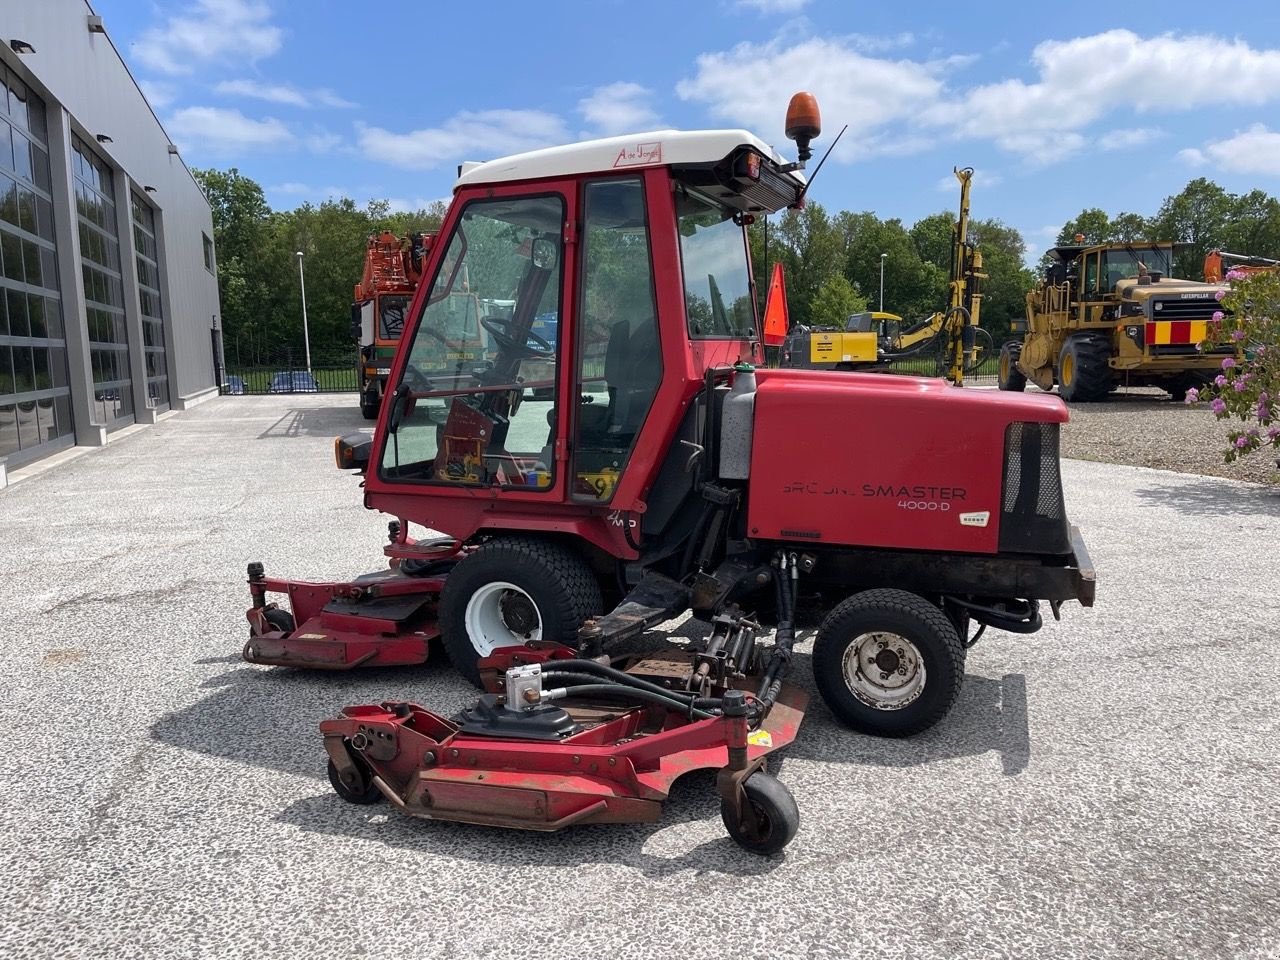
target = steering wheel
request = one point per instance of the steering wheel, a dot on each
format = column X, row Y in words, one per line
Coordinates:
column 534, row 346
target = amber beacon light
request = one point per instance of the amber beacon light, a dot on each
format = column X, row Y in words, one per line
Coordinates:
column 804, row 122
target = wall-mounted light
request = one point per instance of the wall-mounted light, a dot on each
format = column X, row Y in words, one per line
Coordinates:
column 149, row 189
column 103, row 138
column 173, row 149
column 21, row 46
column 96, row 25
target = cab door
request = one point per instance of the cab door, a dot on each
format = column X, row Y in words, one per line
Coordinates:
column 618, row 366
column 474, row 407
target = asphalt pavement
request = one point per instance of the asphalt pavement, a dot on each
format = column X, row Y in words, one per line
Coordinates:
column 1105, row 788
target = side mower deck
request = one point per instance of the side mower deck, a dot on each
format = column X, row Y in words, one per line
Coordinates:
column 377, row 620
column 563, row 759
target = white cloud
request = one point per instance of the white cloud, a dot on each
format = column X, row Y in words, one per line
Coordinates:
column 1084, row 79
column 281, row 93
column 220, row 131
column 1127, row 139
column 981, row 178
column 1256, row 150
column 773, row 6
column 327, row 98
column 478, row 135
column 322, row 141
column 751, row 83
column 292, row 188
column 1193, row 157
column 217, row 31
column 1040, row 148
column 618, row 108
column 900, row 105
column 158, row 93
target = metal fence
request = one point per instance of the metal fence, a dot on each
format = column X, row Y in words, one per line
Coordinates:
column 338, row 374
column 289, row 373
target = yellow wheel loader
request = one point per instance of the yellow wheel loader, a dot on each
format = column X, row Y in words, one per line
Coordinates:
column 1110, row 315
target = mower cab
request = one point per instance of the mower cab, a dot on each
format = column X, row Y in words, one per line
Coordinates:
column 575, row 410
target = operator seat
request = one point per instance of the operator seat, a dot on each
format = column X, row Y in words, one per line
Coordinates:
column 632, row 370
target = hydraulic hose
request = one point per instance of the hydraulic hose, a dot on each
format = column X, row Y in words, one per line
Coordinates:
column 599, row 670
column 619, row 689
column 577, row 680
column 784, row 637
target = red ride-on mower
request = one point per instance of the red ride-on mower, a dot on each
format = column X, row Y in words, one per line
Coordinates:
column 576, row 410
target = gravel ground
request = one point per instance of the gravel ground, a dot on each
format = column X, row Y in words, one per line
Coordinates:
column 1144, row 428
column 1103, row 788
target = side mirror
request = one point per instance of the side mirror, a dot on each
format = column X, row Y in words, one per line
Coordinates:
column 544, row 253
column 355, row 321
column 352, row 451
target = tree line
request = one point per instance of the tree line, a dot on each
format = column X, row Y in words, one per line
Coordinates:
column 831, row 261
column 257, row 266
column 1200, row 218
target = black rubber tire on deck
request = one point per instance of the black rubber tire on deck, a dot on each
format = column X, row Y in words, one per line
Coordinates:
column 281, row 620
column 1008, row 376
column 908, row 615
column 774, row 806
column 559, row 582
column 1091, row 374
column 363, row 794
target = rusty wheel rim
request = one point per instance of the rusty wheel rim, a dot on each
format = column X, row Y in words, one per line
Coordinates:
column 884, row 670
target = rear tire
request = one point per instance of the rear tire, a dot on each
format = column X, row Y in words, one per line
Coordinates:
column 1084, row 374
column 511, row 591
column 369, row 404
column 1008, row 376
column 888, row 663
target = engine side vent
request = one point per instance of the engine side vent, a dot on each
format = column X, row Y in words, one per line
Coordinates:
column 1033, row 517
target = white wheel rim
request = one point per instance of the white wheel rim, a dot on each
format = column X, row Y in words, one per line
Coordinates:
column 884, row 670
column 486, row 619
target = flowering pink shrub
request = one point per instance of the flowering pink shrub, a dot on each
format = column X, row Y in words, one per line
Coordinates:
column 1245, row 388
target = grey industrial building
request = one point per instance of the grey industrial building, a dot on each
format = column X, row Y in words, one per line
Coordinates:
column 109, row 312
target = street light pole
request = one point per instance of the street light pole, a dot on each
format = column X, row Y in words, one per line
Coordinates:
column 306, row 334
column 883, row 257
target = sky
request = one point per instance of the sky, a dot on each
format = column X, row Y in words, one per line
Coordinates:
column 1057, row 107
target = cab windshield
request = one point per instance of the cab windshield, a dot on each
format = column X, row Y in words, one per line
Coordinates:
column 473, row 402
column 1124, row 263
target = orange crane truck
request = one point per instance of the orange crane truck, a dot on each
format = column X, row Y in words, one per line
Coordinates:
column 392, row 269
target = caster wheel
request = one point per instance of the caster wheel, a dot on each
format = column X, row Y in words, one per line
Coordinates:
column 363, row 792
column 776, row 816
column 278, row 619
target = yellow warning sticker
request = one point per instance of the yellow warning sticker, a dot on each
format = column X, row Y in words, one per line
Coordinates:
column 760, row 738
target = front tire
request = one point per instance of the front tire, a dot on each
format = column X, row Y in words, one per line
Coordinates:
column 1084, row 373
column 369, row 404
column 1008, row 376
column 512, row 591
column 888, row 663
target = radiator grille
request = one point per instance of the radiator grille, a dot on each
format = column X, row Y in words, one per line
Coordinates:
column 1033, row 516
column 1197, row 308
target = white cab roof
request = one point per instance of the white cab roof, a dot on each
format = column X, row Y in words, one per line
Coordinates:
column 634, row 150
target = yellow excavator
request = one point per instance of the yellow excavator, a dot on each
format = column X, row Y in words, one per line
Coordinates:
column 876, row 341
